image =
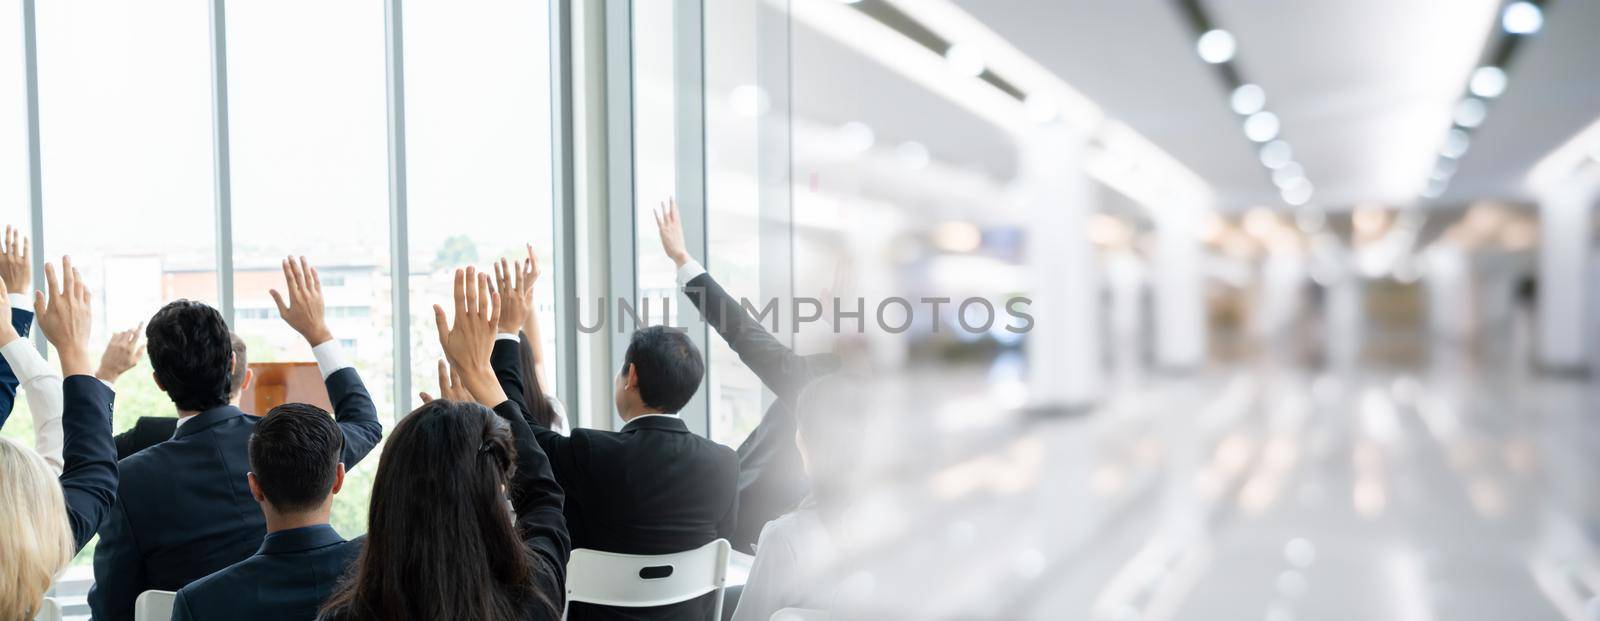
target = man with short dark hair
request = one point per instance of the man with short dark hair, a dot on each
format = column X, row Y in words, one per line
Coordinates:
column 122, row 355
column 294, row 473
column 187, row 508
column 652, row 487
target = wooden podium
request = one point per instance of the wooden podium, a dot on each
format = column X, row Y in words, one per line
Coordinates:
column 277, row 383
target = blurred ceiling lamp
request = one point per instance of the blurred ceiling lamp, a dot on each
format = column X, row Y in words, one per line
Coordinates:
column 1248, row 99
column 1444, row 169
column 1435, row 188
column 1456, row 143
column 749, row 100
column 957, row 236
column 1216, row 46
column 964, row 60
column 1261, row 126
column 1470, row 112
column 1288, row 174
column 1488, row 82
column 1107, row 231
column 857, row 137
column 912, row 155
column 1299, row 193
column 1522, row 18
column 1276, row 154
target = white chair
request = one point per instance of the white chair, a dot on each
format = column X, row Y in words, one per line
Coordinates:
column 49, row 610
column 800, row 614
column 153, row 606
column 633, row 581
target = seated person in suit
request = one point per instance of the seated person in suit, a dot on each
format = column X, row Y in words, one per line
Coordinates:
column 294, row 473
column 771, row 479
column 46, row 519
column 440, row 542
column 186, row 510
column 123, row 354
column 797, row 560
column 16, row 269
column 651, row 488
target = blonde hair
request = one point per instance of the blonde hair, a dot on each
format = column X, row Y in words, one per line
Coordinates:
column 35, row 538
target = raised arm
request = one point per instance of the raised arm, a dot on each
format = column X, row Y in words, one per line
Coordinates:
column 353, row 407
column 15, row 271
column 530, row 325
column 779, row 368
column 89, row 480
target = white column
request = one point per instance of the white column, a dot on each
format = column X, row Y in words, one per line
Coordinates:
column 1064, row 343
column 1179, row 288
column 1564, row 237
column 1449, row 294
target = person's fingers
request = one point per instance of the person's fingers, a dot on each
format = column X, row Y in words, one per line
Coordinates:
column 82, row 287
column 69, row 279
column 656, row 213
column 472, row 290
column 25, row 246
column 494, row 307
column 460, row 294
column 305, row 276
column 444, row 379
column 138, row 353
column 672, row 208
column 425, row 397
column 51, row 284
column 316, row 280
column 530, row 252
column 283, row 309
column 455, row 382
column 438, row 317
column 499, row 278
column 38, row 300
column 288, row 276
column 484, row 291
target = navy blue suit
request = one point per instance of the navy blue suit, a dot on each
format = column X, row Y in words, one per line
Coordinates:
column 21, row 320
column 89, row 472
column 288, row 578
column 185, row 509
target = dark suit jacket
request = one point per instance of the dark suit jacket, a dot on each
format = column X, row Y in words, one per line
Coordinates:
column 651, row 488
column 148, row 431
column 772, row 480
column 288, row 578
column 536, row 500
column 21, row 320
column 185, row 510
column 89, row 472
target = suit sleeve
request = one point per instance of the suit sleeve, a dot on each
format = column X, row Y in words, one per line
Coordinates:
column 118, row 569
column 506, row 359
column 89, row 480
column 180, row 608
column 536, row 496
column 356, row 414
column 21, row 320
column 507, row 364
column 784, row 372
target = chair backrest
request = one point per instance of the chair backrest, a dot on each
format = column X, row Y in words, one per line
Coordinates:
column 635, row 581
column 153, row 606
column 49, row 610
column 800, row 614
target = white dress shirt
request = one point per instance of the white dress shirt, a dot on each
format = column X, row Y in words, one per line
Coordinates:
column 795, row 567
column 40, row 384
column 690, row 270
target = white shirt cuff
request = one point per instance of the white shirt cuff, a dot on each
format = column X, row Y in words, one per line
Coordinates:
column 507, row 336
column 25, row 361
column 19, row 300
column 331, row 357
column 690, row 270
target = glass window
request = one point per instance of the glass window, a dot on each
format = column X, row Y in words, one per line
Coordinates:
column 13, row 168
column 654, row 151
column 310, row 154
column 478, row 136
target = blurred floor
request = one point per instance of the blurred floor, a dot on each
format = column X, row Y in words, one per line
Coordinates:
column 1447, row 489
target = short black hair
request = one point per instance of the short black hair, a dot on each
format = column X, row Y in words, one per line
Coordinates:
column 241, row 362
column 294, row 453
column 190, row 349
column 668, row 365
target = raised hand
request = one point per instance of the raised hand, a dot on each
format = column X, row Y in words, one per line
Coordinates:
column 15, row 265
column 450, row 387
column 514, row 284
column 65, row 317
column 304, row 312
column 122, row 353
column 468, row 343
column 671, row 230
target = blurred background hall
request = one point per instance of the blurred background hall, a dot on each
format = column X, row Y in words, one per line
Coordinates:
column 1311, row 296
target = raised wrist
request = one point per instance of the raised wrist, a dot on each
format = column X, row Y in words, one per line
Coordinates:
column 318, row 335
column 74, row 362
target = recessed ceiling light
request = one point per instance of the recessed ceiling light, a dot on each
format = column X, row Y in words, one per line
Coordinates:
column 964, row 60
column 1299, row 193
column 1488, row 82
column 1470, row 112
column 1522, row 18
column 1275, row 154
column 1248, row 99
column 1261, row 126
column 1288, row 175
column 1434, row 189
column 1455, row 144
column 1444, row 168
column 1216, row 46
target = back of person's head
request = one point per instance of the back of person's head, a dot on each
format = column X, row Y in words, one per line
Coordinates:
column 830, row 418
column 294, row 457
column 532, row 391
column 35, row 537
column 668, row 366
column 191, row 351
column 440, row 539
column 241, row 365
